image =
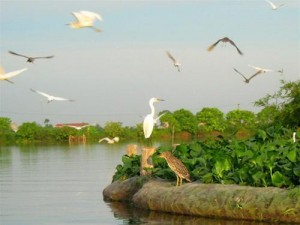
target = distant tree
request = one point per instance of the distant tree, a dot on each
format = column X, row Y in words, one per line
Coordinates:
column 5, row 125
column 187, row 120
column 241, row 119
column 47, row 123
column 113, row 129
column 29, row 131
column 62, row 134
column 212, row 119
column 287, row 101
column 169, row 118
column 6, row 133
column 267, row 116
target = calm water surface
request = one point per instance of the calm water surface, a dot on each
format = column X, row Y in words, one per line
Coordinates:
column 63, row 185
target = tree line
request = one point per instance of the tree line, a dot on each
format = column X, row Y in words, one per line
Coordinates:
column 281, row 108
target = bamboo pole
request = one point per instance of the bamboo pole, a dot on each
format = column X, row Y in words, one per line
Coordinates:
column 146, row 161
column 131, row 150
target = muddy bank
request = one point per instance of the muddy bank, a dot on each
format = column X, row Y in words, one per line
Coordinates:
column 209, row 200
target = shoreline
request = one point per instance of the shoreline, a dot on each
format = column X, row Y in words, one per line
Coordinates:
column 268, row 204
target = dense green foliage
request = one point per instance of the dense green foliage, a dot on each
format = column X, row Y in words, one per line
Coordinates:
column 286, row 101
column 281, row 108
column 270, row 158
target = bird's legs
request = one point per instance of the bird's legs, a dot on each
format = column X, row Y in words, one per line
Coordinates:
column 177, row 180
column 96, row 29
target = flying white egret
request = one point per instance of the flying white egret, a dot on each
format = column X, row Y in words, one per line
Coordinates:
column 50, row 98
column 273, row 6
column 110, row 141
column 261, row 70
column 31, row 59
column 77, row 127
column 149, row 120
column 6, row 76
column 175, row 61
column 247, row 80
column 224, row 40
column 85, row 19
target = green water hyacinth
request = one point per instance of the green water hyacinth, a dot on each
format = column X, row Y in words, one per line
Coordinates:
column 270, row 158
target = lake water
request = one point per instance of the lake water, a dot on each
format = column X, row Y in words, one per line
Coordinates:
column 43, row 185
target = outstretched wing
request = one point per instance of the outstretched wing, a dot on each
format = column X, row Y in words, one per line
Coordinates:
column 41, row 93
column 91, row 15
column 271, row 4
column 258, row 72
column 232, row 43
column 14, row 53
column 105, row 139
column 210, row 48
column 240, row 73
column 44, row 57
column 255, row 67
column 13, row 73
column 157, row 118
column 62, row 99
column 171, row 57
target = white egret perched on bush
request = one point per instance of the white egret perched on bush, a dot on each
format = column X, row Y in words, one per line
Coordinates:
column 85, row 19
column 5, row 76
column 149, row 120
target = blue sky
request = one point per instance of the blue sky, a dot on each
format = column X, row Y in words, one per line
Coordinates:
column 113, row 74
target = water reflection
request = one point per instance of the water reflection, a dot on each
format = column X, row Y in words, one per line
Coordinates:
column 133, row 216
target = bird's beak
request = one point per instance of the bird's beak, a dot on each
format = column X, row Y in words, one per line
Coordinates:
column 159, row 99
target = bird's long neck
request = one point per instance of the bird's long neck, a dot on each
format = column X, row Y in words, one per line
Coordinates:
column 152, row 108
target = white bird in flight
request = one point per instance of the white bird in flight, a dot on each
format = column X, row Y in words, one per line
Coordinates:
column 273, row 6
column 110, row 141
column 260, row 70
column 5, row 76
column 78, row 128
column 85, row 19
column 175, row 61
column 51, row 98
column 149, row 120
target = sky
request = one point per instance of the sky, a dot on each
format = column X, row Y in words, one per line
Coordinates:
column 112, row 74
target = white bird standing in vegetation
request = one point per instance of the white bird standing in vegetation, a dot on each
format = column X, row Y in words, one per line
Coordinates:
column 6, row 76
column 110, row 141
column 294, row 137
column 175, row 61
column 51, row 98
column 149, row 120
column 273, row 6
column 85, row 19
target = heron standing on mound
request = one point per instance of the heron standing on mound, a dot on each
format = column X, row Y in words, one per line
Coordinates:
column 177, row 167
